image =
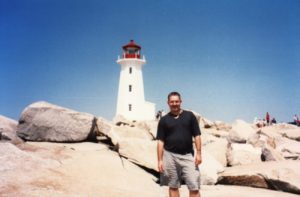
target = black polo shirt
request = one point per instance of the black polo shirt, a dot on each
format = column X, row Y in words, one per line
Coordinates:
column 177, row 133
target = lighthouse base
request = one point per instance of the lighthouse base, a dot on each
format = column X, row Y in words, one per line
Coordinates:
column 145, row 111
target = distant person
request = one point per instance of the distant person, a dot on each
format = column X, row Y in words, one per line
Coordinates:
column 296, row 120
column 158, row 115
column 268, row 118
column 176, row 157
column 273, row 121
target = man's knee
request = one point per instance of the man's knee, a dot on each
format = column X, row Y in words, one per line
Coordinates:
column 173, row 192
column 173, row 189
column 194, row 193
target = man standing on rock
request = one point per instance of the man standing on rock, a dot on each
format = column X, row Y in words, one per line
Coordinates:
column 176, row 157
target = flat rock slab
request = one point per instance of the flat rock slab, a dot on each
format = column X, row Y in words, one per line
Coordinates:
column 234, row 191
column 281, row 175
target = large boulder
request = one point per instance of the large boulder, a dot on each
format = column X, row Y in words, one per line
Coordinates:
column 12, row 158
column 268, row 146
column 285, row 130
column 84, row 169
column 123, row 131
column 132, row 132
column 43, row 121
column 241, row 131
column 216, row 147
column 220, row 125
column 289, row 148
column 215, row 132
column 237, row 191
column 203, row 122
column 271, row 154
column 280, row 175
column 139, row 151
column 106, row 129
column 150, row 126
column 8, row 128
column 241, row 154
column 18, row 166
column 209, row 169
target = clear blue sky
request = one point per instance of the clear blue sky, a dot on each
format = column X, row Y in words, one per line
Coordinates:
column 230, row 59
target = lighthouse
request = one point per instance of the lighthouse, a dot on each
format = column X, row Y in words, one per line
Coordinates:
column 131, row 102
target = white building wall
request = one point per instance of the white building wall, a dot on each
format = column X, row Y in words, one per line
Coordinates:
column 140, row 109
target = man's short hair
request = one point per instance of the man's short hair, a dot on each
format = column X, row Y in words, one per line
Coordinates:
column 174, row 94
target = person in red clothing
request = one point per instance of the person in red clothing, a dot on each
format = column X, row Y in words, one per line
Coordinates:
column 268, row 118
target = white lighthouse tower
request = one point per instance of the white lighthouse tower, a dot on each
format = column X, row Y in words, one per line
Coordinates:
column 131, row 99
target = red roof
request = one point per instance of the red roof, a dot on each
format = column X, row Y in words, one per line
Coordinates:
column 131, row 44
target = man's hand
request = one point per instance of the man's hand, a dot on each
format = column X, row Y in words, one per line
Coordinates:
column 160, row 166
column 198, row 158
column 160, row 150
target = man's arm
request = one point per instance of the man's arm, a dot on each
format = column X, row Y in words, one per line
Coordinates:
column 160, row 150
column 198, row 158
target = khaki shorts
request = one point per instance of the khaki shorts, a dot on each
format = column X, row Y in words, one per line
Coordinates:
column 179, row 167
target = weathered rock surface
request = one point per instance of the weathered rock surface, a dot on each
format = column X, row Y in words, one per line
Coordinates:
column 209, row 169
column 18, row 167
column 139, row 151
column 271, row 154
column 64, row 169
column 106, row 129
column 215, row 132
column 220, row 125
column 241, row 154
column 240, row 132
column 285, row 130
column 283, row 175
column 216, row 147
column 8, row 128
column 43, row 121
column 132, row 132
column 150, row 126
column 85, row 169
column 289, row 148
column 234, row 191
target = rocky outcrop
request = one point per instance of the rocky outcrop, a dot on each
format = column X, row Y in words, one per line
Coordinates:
column 149, row 126
column 139, row 151
column 241, row 154
column 209, row 169
column 8, row 128
column 283, row 175
column 85, row 169
column 215, row 132
column 237, row 191
column 240, row 132
column 258, row 157
column 271, row 154
column 43, row 121
column 289, row 148
column 217, row 147
column 132, row 132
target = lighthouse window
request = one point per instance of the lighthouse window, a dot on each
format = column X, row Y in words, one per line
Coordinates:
column 131, row 51
column 130, row 88
column 130, row 107
column 130, row 70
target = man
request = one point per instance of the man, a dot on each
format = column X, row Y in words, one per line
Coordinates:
column 176, row 157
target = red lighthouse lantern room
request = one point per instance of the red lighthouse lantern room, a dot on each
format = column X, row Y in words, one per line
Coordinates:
column 131, row 50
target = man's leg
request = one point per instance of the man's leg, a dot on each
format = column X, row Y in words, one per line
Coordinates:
column 194, row 193
column 173, row 192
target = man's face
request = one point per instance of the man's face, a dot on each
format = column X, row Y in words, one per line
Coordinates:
column 174, row 103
